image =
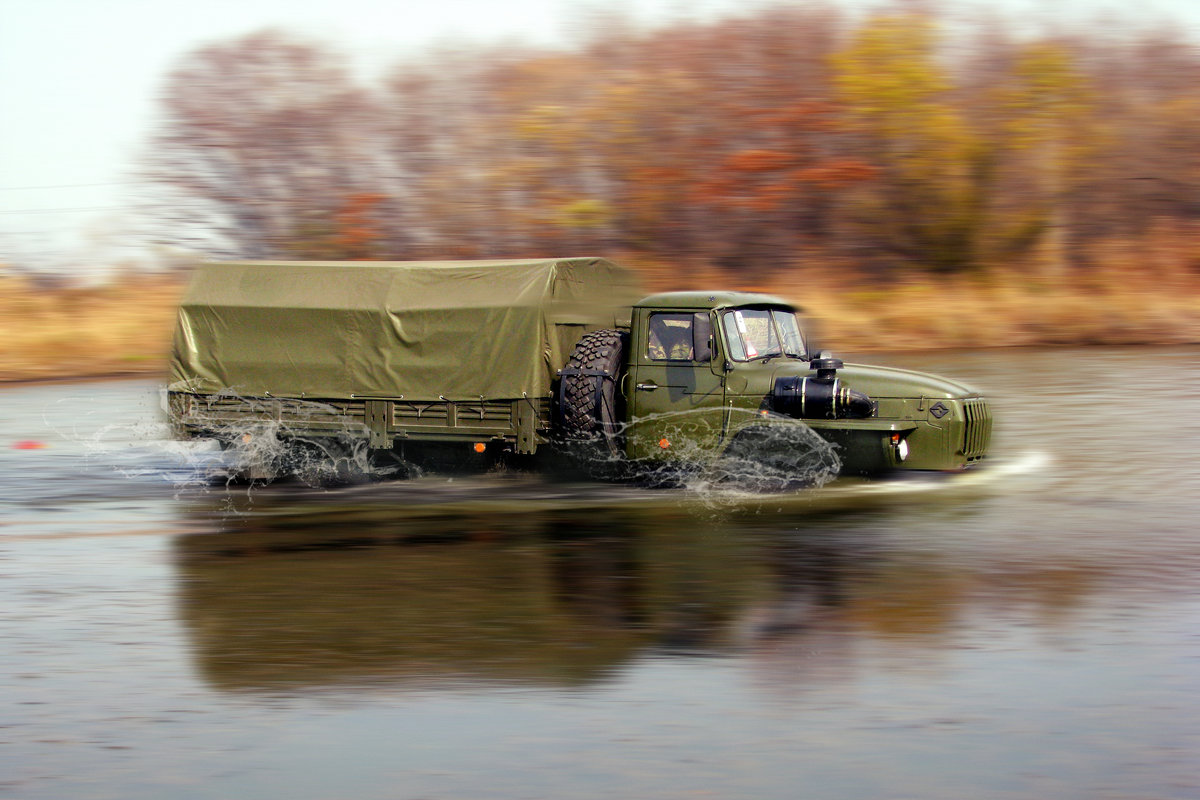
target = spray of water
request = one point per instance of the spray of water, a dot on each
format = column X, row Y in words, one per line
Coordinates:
column 260, row 443
column 764, row 456
column 251, row 442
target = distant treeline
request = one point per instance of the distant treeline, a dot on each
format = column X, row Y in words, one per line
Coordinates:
column 774, row 140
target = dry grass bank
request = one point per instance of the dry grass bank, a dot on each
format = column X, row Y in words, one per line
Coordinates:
column 1134, row 293
column 121, row 328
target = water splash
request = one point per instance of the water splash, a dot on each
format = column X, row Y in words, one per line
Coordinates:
column 251, row 442
column 765, row 456
column 248, row 451
column 260, row 445
column 769, row 460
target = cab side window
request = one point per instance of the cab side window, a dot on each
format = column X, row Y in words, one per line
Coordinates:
column 670, row 338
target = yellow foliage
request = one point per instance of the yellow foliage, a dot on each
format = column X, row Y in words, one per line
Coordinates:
column 585, row 214
column 888, row 71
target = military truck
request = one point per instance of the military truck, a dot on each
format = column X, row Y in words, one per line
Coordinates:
column 490, row 360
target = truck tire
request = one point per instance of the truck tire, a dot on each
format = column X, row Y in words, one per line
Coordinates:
column 588, row 398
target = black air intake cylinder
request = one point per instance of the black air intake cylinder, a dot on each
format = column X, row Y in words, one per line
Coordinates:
column 822, row 397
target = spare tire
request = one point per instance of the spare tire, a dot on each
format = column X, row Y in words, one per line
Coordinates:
column 588, row 397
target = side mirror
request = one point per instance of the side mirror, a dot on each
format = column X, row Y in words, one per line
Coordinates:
column 702, row 337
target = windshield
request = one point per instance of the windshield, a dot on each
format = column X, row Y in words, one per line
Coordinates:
column 762, row 333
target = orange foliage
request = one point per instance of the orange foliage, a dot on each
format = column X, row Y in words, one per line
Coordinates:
column 358, row 230
column 836, row 174
column 758, row 161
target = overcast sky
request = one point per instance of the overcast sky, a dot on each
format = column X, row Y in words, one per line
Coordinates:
column 78, row 80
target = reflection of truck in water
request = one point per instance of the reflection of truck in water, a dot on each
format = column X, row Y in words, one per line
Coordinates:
column 491, row 599
column 494, row 358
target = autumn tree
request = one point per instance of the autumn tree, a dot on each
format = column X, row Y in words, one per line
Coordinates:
column 262, row 139
column 934, row 172
column 965, row 178
column 697, row 140
column 1147, row 171
column 758, row 143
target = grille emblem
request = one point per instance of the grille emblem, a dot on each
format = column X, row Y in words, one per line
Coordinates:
column 939, row 410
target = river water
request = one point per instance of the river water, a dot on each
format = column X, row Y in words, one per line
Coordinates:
column 1031, row 632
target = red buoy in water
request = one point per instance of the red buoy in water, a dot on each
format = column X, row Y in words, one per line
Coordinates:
column 29, row 444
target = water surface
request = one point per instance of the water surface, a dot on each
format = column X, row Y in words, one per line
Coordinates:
column 506, row 636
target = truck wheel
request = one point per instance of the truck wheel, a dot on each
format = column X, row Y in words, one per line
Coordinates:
column 588, row 395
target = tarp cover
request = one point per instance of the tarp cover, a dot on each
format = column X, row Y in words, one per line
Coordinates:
column 422, row 330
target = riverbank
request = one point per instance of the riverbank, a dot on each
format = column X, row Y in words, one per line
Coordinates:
column 121, row 328
column 124, row 327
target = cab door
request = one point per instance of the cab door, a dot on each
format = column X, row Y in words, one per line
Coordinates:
column 677, row 387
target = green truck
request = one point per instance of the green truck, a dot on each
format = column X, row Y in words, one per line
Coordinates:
column 514, row 359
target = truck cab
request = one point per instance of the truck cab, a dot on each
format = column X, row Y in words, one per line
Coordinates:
column 707, row 369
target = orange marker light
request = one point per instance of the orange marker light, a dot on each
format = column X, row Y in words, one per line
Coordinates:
column 480, row 447
column 663, row 443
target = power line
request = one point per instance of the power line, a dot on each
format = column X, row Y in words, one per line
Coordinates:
column 59, row 210
column 67, row 186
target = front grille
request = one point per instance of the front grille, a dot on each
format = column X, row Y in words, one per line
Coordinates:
column 978, row 430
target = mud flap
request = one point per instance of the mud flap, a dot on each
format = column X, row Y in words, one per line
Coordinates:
column 527, row 421
column 378, row 417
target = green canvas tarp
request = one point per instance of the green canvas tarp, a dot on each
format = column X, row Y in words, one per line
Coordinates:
column 418, row 330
